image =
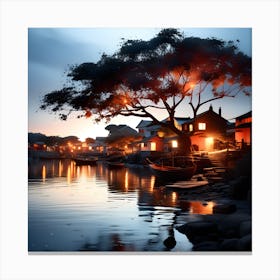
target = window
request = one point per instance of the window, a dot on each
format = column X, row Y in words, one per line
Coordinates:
column 174, row 144
column 153, row 146
column 190, row 127
column 201, row 126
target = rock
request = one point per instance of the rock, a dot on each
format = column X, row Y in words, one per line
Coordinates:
column 198, row 227
column 245, row 228
column 170, row 242
column 206, row 246
column 241, row 186
column 224, row 208
column 229, row 245
column 198, row 231
column 245, row 243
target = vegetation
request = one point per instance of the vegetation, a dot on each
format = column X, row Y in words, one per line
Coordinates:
column 161, row 74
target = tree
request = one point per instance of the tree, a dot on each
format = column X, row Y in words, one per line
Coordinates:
column 89, row 140
column 143, row 77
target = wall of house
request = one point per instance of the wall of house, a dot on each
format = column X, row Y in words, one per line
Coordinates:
column 154, row 144
column 243, row 133
column 214, row 123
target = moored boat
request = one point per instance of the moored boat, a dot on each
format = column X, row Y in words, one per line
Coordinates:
column 115, row 164
column 85, row 160
column 168, row 169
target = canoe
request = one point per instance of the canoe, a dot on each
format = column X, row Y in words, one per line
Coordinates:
column 173, row 172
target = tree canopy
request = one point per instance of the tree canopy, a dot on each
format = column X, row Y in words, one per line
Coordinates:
column 159, row 73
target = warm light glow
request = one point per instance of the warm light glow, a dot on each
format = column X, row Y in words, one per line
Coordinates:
column 126, row 180
column 201, row 126
column 196, row 207
column 90, row 148
column 152, row 182
column 153, row 146
column 209, row 141
column 192, row 85
column 44, row 173
column 60, row 169
column 174, row 144
column 174, row 197
column 190, row 127
column 160, row 133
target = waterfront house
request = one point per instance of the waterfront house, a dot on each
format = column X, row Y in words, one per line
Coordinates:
column 243, row 129
column 208, row 130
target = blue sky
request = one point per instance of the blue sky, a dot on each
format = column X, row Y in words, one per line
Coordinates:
column 52, row 50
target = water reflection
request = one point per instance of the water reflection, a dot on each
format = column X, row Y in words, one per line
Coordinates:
column 99, row 209
column 197, row 207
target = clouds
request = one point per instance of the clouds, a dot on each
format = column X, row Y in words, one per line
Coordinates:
column 53, row 48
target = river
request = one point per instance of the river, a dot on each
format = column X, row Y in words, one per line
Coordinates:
column 93, row 208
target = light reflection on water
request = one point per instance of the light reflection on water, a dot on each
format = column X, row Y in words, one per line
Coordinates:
column 76, row 208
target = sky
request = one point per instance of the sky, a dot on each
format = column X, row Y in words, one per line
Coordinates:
column 52, row 50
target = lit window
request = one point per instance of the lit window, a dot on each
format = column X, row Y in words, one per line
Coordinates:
column 190, row 127
column 153, row 146
column 174, row 144
column 201, row 126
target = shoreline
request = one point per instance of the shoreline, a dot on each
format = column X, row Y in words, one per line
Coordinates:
column 229, row 227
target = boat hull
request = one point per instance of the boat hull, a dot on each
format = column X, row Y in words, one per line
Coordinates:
column 171, row 173
column 115, row 164
column 85, row 161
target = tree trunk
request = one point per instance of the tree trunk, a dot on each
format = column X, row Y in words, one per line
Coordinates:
column 184, row 144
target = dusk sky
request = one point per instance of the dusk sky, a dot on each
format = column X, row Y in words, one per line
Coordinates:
column 52, row 50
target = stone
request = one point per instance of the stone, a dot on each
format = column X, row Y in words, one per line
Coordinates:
column 206, row 246
column 170, row 242
column 224, row 208
column 245, row 243
column 229, row 245
column 199, row 231
column 245, row 228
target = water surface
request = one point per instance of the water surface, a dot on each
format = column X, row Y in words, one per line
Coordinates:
column 93, row 208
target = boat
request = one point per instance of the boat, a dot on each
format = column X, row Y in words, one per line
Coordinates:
column 115, row 164
column 115, row 161
column 172, row 168
column 85, row 160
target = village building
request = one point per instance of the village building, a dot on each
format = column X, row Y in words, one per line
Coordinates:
column 208, row 131
column 243, row 129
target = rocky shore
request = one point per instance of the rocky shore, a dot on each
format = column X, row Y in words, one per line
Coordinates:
column 229, row 227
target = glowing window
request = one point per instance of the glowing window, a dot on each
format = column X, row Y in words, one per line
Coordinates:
column 153, row 146
column 201, row 126
column 174, row 144
column 190, row 127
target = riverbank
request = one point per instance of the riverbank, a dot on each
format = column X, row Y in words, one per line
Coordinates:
column 229, row 227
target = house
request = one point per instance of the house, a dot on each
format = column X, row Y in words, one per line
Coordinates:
column 207, row 130
column 120, row 138
column 243, row 129
column 153, row 143
column 158, row 138
column 100, row 145
column 147, row 128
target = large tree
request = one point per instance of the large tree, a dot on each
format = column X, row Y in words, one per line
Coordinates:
column 143, row 77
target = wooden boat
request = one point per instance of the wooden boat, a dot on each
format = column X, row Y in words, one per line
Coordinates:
column 115, row 164
column 115, row 161
column 85, row 160
column 170, row 171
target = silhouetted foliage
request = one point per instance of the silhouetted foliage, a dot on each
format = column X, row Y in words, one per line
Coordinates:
column 159, row 74
column 51, row 140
